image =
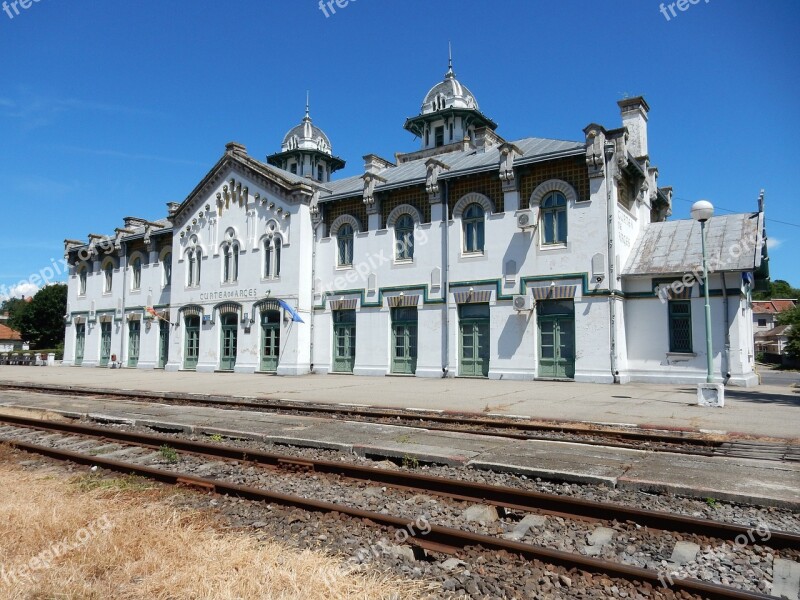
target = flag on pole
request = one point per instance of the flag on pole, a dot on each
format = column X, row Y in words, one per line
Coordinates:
column 290, row 310
column 154, row 313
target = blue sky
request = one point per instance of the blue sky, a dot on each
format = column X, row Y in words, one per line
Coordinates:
column 110, row 109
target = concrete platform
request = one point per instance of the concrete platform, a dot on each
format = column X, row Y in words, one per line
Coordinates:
column 763, row 482
column 772, row 411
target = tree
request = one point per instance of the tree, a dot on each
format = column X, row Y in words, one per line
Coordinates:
column 779, row 288
column 42, row 322
column 792, row 318
column 16, row 308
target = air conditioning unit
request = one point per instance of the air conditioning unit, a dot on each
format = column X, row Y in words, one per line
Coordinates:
column 525, row 220
column 523, row 302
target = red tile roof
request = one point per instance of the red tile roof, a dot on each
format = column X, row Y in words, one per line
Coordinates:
column 771, row 307
column 6, row 333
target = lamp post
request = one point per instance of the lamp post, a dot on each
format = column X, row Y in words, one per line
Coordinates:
column 702, row 211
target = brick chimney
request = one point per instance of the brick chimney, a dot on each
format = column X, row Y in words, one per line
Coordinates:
column 634, row 118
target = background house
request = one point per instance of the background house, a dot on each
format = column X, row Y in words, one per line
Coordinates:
column 10, row 339
column 769, row 337
column 765, row 313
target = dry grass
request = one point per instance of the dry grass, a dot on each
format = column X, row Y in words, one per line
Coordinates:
column 130, row 543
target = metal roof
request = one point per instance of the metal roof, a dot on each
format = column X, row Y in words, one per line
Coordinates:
column 460, row 162
column 733, row 243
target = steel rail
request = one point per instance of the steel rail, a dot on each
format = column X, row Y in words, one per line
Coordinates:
column 438, row 539
column 449, row 418
column 503, row 496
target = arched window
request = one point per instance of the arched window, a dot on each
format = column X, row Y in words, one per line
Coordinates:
column 268, row 259
column 344, row 238
column 108, row 277
column 167, row 269
column 193, row 267
column 554, row 218
column 473, row 223
column 230, row 263
column 277, row 257
column 199, row 256
column 82, row 275
column 272, row 258
column 404, row 237
column 136, row 272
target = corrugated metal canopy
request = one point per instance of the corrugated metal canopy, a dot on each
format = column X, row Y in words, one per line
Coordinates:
column 733, row 244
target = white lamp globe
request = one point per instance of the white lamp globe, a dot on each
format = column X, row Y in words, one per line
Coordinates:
column 702, row 210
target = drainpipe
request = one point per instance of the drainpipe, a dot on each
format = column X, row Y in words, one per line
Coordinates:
column 727, row 351
column 446, row 282
column 612, row 267
column 124, row 298
column 313, row 283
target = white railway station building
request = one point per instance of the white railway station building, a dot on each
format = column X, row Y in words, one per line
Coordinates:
column 472, row 256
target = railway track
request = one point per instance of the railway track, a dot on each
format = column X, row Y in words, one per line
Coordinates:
column 107, row 448
column 522, row 429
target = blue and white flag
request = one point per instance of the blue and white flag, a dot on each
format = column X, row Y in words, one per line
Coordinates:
column 290, row 310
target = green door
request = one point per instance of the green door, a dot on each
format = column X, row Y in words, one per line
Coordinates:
column 474, row 340
column 270, row 340
column 105, row 343
column 134, row 337
column 230, row 332
column 557, row 346
column 344, row 341
column 192, row 350
column 80, row 343
column 404, row 336
column 163, row 344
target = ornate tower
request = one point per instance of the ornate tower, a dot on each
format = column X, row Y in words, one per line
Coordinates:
column 449, row 115
column 306, row 151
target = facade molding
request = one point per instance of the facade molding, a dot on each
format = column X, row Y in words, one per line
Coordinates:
column 552, row 185
column 473, row 198
column 399, row 211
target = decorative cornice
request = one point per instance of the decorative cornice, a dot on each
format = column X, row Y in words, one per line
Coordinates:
column 595, row 150
column 434, row 167
column 369, row 190
column 507, row 153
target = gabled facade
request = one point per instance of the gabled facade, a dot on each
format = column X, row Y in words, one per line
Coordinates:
column 472, row 256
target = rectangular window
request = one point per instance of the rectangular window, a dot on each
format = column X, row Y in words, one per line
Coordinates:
column 680, row 326
column 439, row 136
column 762, row 322
column 554, row 223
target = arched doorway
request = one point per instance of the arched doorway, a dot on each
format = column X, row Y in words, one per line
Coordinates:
column 270, row 340
column 229, row 323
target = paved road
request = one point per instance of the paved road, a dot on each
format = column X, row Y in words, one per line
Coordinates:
column 779, row 378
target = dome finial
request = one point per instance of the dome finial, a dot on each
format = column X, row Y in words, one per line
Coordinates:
column 449, row 61
column 308, row 116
